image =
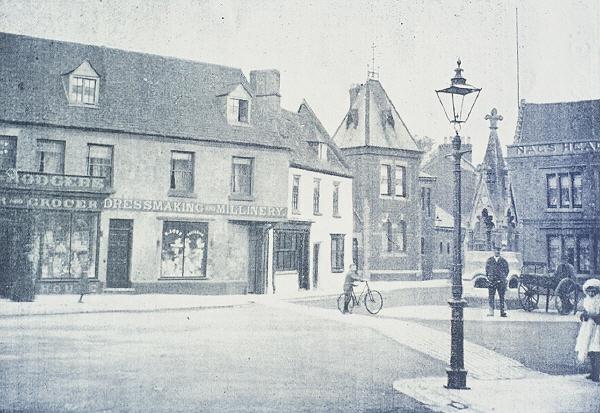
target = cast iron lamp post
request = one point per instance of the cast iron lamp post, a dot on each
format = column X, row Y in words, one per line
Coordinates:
column 457, row 101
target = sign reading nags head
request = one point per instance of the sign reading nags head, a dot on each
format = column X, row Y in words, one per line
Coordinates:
column 554, row 148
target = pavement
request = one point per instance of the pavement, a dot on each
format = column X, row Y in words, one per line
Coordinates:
column 497, row 383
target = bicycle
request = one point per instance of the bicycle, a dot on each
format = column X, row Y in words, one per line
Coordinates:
column 372, row 299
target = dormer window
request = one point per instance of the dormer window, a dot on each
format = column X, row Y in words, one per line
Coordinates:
column 352, row 118
column 237, row 104
column 83, row 85
column 321, row 149
column 240, row 109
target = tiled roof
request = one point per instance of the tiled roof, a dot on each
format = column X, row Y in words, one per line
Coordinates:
column 558, row 122
column 386, row 128
column 298, row 130
column 138, row 92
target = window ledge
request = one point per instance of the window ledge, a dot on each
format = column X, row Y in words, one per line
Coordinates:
column 337, row 270
column 183, row 279
column 296, row 212
column 83, row 105
column 577, row 209
column 241, row 197
column 319, row 214
column 181, row 194
column 336, row 216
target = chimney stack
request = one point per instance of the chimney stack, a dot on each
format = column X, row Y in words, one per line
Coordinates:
column 266, row 90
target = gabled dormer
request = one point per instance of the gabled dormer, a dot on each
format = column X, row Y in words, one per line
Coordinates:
column 238, row 103
column 82, row 85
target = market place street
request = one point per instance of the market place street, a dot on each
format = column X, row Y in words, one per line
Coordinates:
column 248, row 358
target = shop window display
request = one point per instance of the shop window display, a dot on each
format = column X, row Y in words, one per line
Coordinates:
column 67, row 246
column 184, row 249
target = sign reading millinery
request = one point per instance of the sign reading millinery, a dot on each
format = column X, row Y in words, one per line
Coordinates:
column 186, row 207
column 559, row 148
column 35, row 180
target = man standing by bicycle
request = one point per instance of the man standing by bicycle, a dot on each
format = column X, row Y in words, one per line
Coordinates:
column 351, row 276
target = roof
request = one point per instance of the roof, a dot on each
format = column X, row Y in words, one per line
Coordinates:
column 299, row 130
column 138, row 93
column 558, row 122
column 385, row 127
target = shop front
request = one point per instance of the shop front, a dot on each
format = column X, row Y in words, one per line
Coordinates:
column 55, row 217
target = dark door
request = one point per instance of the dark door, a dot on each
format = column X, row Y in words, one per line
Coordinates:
column 119, row 253
column 7, row 273
column 302, row 251
column 315, row 263
column 256, row 261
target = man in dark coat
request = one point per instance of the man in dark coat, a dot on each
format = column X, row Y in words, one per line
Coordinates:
column 351, row 276
column 496, row 270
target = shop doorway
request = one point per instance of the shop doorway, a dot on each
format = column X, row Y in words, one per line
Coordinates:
column 7, row 262
column 257, row 260
column 119, row 253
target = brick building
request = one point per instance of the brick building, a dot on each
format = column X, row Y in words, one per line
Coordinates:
column 554, row 168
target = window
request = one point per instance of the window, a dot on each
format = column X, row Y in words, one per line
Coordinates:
column 184, row 249
column 447, row 248
column 441, row 247
column 51, row 156
column 395, row 237
column 239, row 107
column 422, row 245
column 83, row 90
column 578, row 251
column 400, row 181
column 387, row 118
column 337, row 252
column 352, row 118
column 564, row 190
column 426, row 201
column 285, row 249
column 67, row 245
column 241, row 177
column 385, row 180
column 100, row 162
column 336, row 199
column 317, row 196
column 8, row 152
column 182, row 171
column 295, row 192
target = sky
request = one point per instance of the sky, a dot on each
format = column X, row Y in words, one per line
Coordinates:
column 322, row 48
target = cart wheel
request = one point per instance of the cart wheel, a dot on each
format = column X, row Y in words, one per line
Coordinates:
column 528, row 296
column 565, row 299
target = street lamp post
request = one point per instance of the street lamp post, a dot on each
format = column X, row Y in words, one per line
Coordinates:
column 457, row 101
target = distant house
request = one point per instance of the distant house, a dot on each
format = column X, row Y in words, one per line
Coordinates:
column 554, row 169
column 384, row 159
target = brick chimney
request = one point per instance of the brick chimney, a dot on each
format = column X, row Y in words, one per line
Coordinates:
column 266, row 90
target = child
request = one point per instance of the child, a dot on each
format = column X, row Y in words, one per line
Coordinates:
column 588, row 339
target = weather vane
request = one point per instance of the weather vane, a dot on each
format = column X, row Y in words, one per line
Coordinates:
column 371, row 73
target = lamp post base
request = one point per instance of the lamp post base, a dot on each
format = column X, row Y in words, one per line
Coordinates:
column 457, row 379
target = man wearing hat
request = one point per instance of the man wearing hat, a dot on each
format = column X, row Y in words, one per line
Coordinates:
column 496, row 270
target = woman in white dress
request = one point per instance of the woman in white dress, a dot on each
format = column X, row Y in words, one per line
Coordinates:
column 588, row 339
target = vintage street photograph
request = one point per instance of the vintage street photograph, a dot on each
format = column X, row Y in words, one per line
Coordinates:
column 375, row 206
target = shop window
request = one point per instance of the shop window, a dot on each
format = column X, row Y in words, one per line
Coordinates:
column 182, row 171
column 67, row 245
column 584, row 255
column 337, row 252
column 285, row 250
column 316, row 196
column 100, row 162
column 385, row 180
column 295, row 192
column 576, row 250
column 184, row 249
column 336, row 199
column 564, row 190
column 241, row 178
column 8, row 152
column 51, row 156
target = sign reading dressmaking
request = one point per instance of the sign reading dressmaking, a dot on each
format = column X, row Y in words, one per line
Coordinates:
column 187, row 207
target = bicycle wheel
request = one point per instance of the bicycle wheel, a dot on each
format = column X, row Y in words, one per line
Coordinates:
column 373, row 301
column 340, row 303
